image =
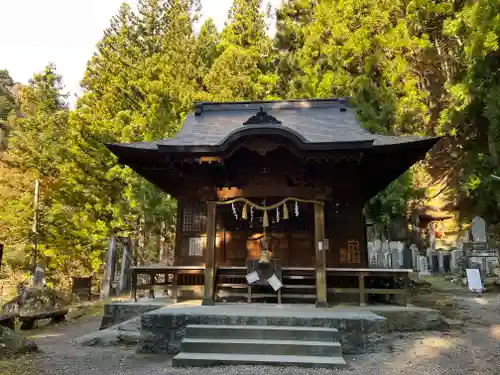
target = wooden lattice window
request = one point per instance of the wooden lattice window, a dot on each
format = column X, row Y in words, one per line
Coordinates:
column 194, row 217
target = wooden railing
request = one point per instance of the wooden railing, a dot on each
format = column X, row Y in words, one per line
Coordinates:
column 298, row 282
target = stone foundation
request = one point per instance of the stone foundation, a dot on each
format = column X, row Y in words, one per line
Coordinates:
column 404, row 319
column 119, row 312
column 162, row 330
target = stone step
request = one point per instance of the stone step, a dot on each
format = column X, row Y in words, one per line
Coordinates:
column 216, row 359
column 271, row 347
column 260, row 332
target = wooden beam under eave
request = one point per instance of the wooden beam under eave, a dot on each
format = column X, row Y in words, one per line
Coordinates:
column 273, row 191
column 210, row 160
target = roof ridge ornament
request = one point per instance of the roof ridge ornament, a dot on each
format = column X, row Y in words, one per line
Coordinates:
column 262, row 118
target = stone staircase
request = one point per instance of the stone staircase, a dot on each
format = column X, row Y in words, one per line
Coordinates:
column 211, row 345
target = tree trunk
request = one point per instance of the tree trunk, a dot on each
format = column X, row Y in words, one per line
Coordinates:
column 34, row 228
column 494, row 157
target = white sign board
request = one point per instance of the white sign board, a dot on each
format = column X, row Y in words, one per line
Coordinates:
column 474, row 280
column 275, row 283
column 196, row 247
column 252, row 277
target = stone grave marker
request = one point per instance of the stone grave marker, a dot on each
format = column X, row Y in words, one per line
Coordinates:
column 440, row 255
column 372, row 255
column 454, row 254
column 377, row 245
column 386, row 250
column 478, row 229
column 423, row 266
column 415, row 256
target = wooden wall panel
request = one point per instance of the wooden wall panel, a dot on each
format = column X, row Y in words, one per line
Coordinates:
column 294, row 248
column 346, row 231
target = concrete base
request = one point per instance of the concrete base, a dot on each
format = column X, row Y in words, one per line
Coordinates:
column 410, row 318
column 120, row 311
column 162, row 330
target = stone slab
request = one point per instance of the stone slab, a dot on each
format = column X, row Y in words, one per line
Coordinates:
column 216, row 359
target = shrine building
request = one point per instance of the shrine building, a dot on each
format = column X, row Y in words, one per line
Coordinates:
column 295, row 174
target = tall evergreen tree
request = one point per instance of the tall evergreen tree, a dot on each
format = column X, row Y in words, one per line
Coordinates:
column 37, row 146
column 207, row 51
column 243, row 70
column 7, row 104
column 292, row 19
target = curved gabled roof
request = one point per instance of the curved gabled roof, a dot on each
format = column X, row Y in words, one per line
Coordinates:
column 316, row 121
column 313, row 124
column 325, row 125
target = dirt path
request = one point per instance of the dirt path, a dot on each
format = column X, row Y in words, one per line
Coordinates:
column 471, row 350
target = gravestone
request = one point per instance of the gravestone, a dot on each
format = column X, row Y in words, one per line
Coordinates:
column 430, row 258
column 379, row 255
column 440, row 261
column 393, row 248
column 407, row 257
column 386, row 251
column 415, row 256
column 423, row 266
column 435, row 262
column 478, row 229
column 372, row 255
column 454, row 254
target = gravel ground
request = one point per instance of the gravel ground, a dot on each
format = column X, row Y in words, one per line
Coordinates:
column 471, row 350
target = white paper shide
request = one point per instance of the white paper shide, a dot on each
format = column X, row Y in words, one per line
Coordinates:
column 252, row 277
column 275, row 283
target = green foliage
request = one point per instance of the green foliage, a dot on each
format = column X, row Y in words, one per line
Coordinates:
column 7, row 105
column 244, row 69
column 394, row 200
column 422, row 67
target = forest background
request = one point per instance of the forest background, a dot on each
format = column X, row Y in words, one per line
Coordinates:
column 424, row 67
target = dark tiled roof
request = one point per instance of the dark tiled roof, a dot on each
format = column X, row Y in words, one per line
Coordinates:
column 316, row 121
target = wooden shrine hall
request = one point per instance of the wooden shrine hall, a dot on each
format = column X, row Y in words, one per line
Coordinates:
column 280, row 184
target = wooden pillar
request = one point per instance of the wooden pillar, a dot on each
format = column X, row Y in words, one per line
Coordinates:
column 208, row 293
column 319, row 236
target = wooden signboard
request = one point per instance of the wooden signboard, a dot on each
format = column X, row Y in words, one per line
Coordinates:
column 353, row 254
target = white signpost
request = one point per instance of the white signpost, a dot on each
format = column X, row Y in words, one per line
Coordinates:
column 474, row 280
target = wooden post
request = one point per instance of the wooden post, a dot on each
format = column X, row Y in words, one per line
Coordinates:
column 362, row 298
column 319, row 236
column 123, row 282
column 208, row 294
column 109, row 269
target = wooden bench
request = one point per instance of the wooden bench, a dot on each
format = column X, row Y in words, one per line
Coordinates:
column 9, row 320
column 55, row 315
